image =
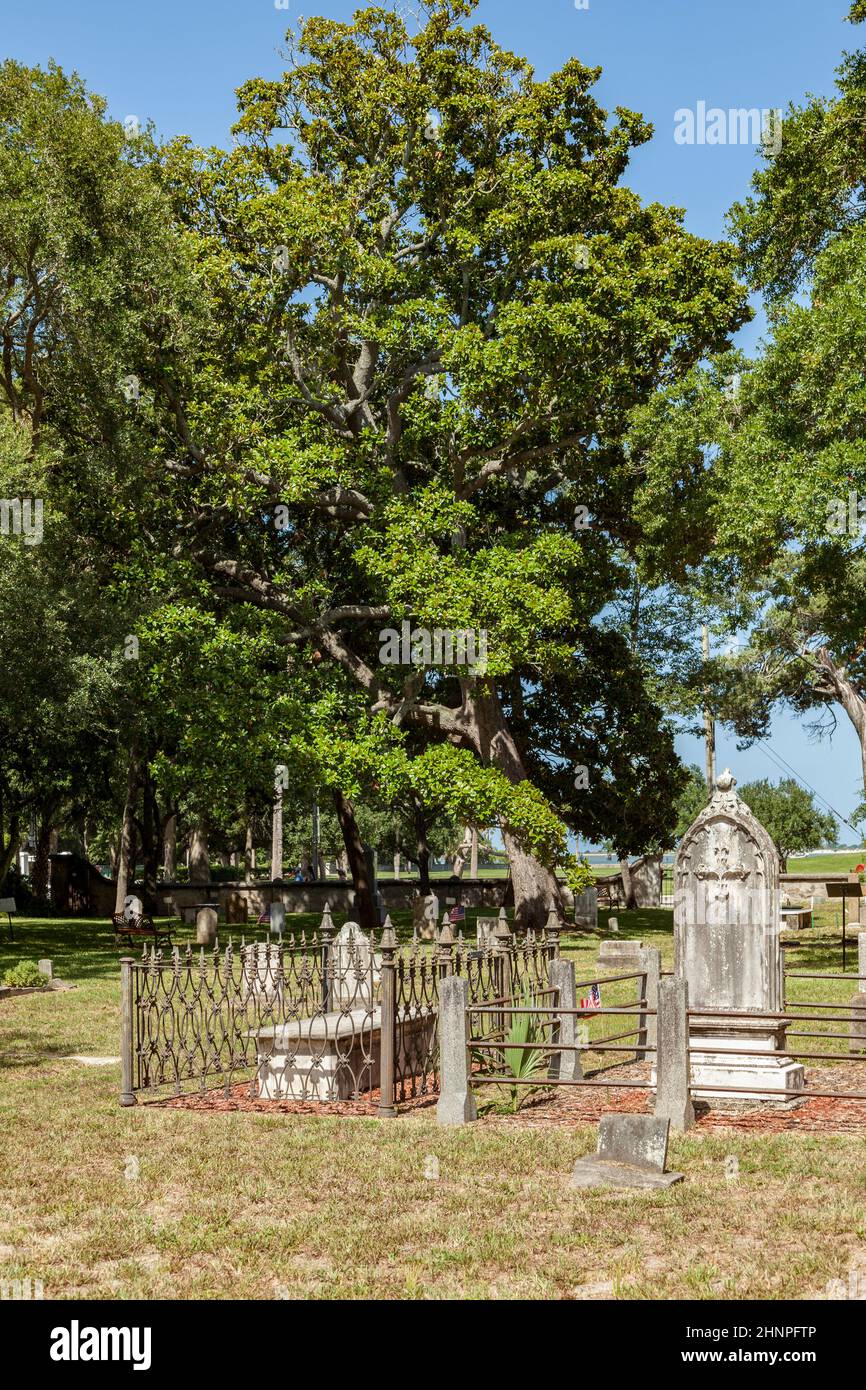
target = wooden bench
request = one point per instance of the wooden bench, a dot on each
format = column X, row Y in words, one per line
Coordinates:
column 7, row 905
column 132, row 929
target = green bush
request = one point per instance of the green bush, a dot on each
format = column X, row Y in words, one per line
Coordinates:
column 25, row 975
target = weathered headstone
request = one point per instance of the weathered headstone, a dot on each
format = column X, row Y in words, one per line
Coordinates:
column 236, row 908
column 624, row 952
column 355, row 969
column 632, row 1152
column 278, row 918
column 46, row 968
column 206, row 923
column 727, row 947
column 485, row 928
column 586, row 909
column 425, row 916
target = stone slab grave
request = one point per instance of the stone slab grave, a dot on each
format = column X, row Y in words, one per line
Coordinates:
column 632, row 1152
column 624, row 953
column 727, row 946
column 336, row 1053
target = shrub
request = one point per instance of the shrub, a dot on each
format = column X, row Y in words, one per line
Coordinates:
column 25, row 975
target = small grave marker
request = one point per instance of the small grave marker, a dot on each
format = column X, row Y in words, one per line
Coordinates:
column 632, row 1152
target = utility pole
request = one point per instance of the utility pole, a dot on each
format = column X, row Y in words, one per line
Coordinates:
column 709, row 722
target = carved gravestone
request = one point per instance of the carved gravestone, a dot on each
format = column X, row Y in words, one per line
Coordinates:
column 727, row 946
column 355, row 969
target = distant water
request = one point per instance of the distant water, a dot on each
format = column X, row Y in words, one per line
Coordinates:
column 599, row 858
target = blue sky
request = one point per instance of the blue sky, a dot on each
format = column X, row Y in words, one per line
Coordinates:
column 178, row 62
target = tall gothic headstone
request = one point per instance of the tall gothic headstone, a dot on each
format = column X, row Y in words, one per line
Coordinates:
column 728, row 947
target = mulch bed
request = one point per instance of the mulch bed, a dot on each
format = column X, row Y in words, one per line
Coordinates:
column 573, row 1105
column 579, row 1105
column 239, row 1098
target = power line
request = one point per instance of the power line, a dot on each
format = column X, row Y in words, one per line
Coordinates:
column 782, row 764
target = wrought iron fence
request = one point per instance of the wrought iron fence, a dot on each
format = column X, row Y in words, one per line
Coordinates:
column 326, row 1017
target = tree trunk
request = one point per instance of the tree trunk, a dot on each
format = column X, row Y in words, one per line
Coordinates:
column 473, row 854
column 199, row 859
column 169, row 848
column 849, row 698
column 126, row 852
column 39, row 879
column 627, row 885
column 357, row 861
column 462, row 854
column 151, row 843
column 9, row 850
column 536, row 889
column 423, row 860
column 249, row 855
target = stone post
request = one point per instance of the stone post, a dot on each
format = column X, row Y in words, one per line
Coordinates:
column 565, row 1066
column 127, row 1031
column 673, row 1095
column 388, row 948
column 446, row 947
column 858, row 1002
column 650, row 964
column 502, row 942
column 326, row 931
column 456, row 1104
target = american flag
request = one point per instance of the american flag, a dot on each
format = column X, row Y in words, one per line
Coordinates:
column 593, row 1000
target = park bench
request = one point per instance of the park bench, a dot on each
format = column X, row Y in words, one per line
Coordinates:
column 136, row 927
column 7, row 905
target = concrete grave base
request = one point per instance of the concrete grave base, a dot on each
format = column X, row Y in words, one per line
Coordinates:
column 333, row 1056
column 724, row 1062
column 596, row 1171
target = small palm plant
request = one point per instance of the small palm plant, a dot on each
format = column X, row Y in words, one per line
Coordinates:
column 524, row 1062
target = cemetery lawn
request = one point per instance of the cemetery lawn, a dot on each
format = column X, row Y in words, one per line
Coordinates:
column 244, row 1205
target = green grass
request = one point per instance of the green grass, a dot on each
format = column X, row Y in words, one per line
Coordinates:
column 842, row 862
column 237, row 1205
